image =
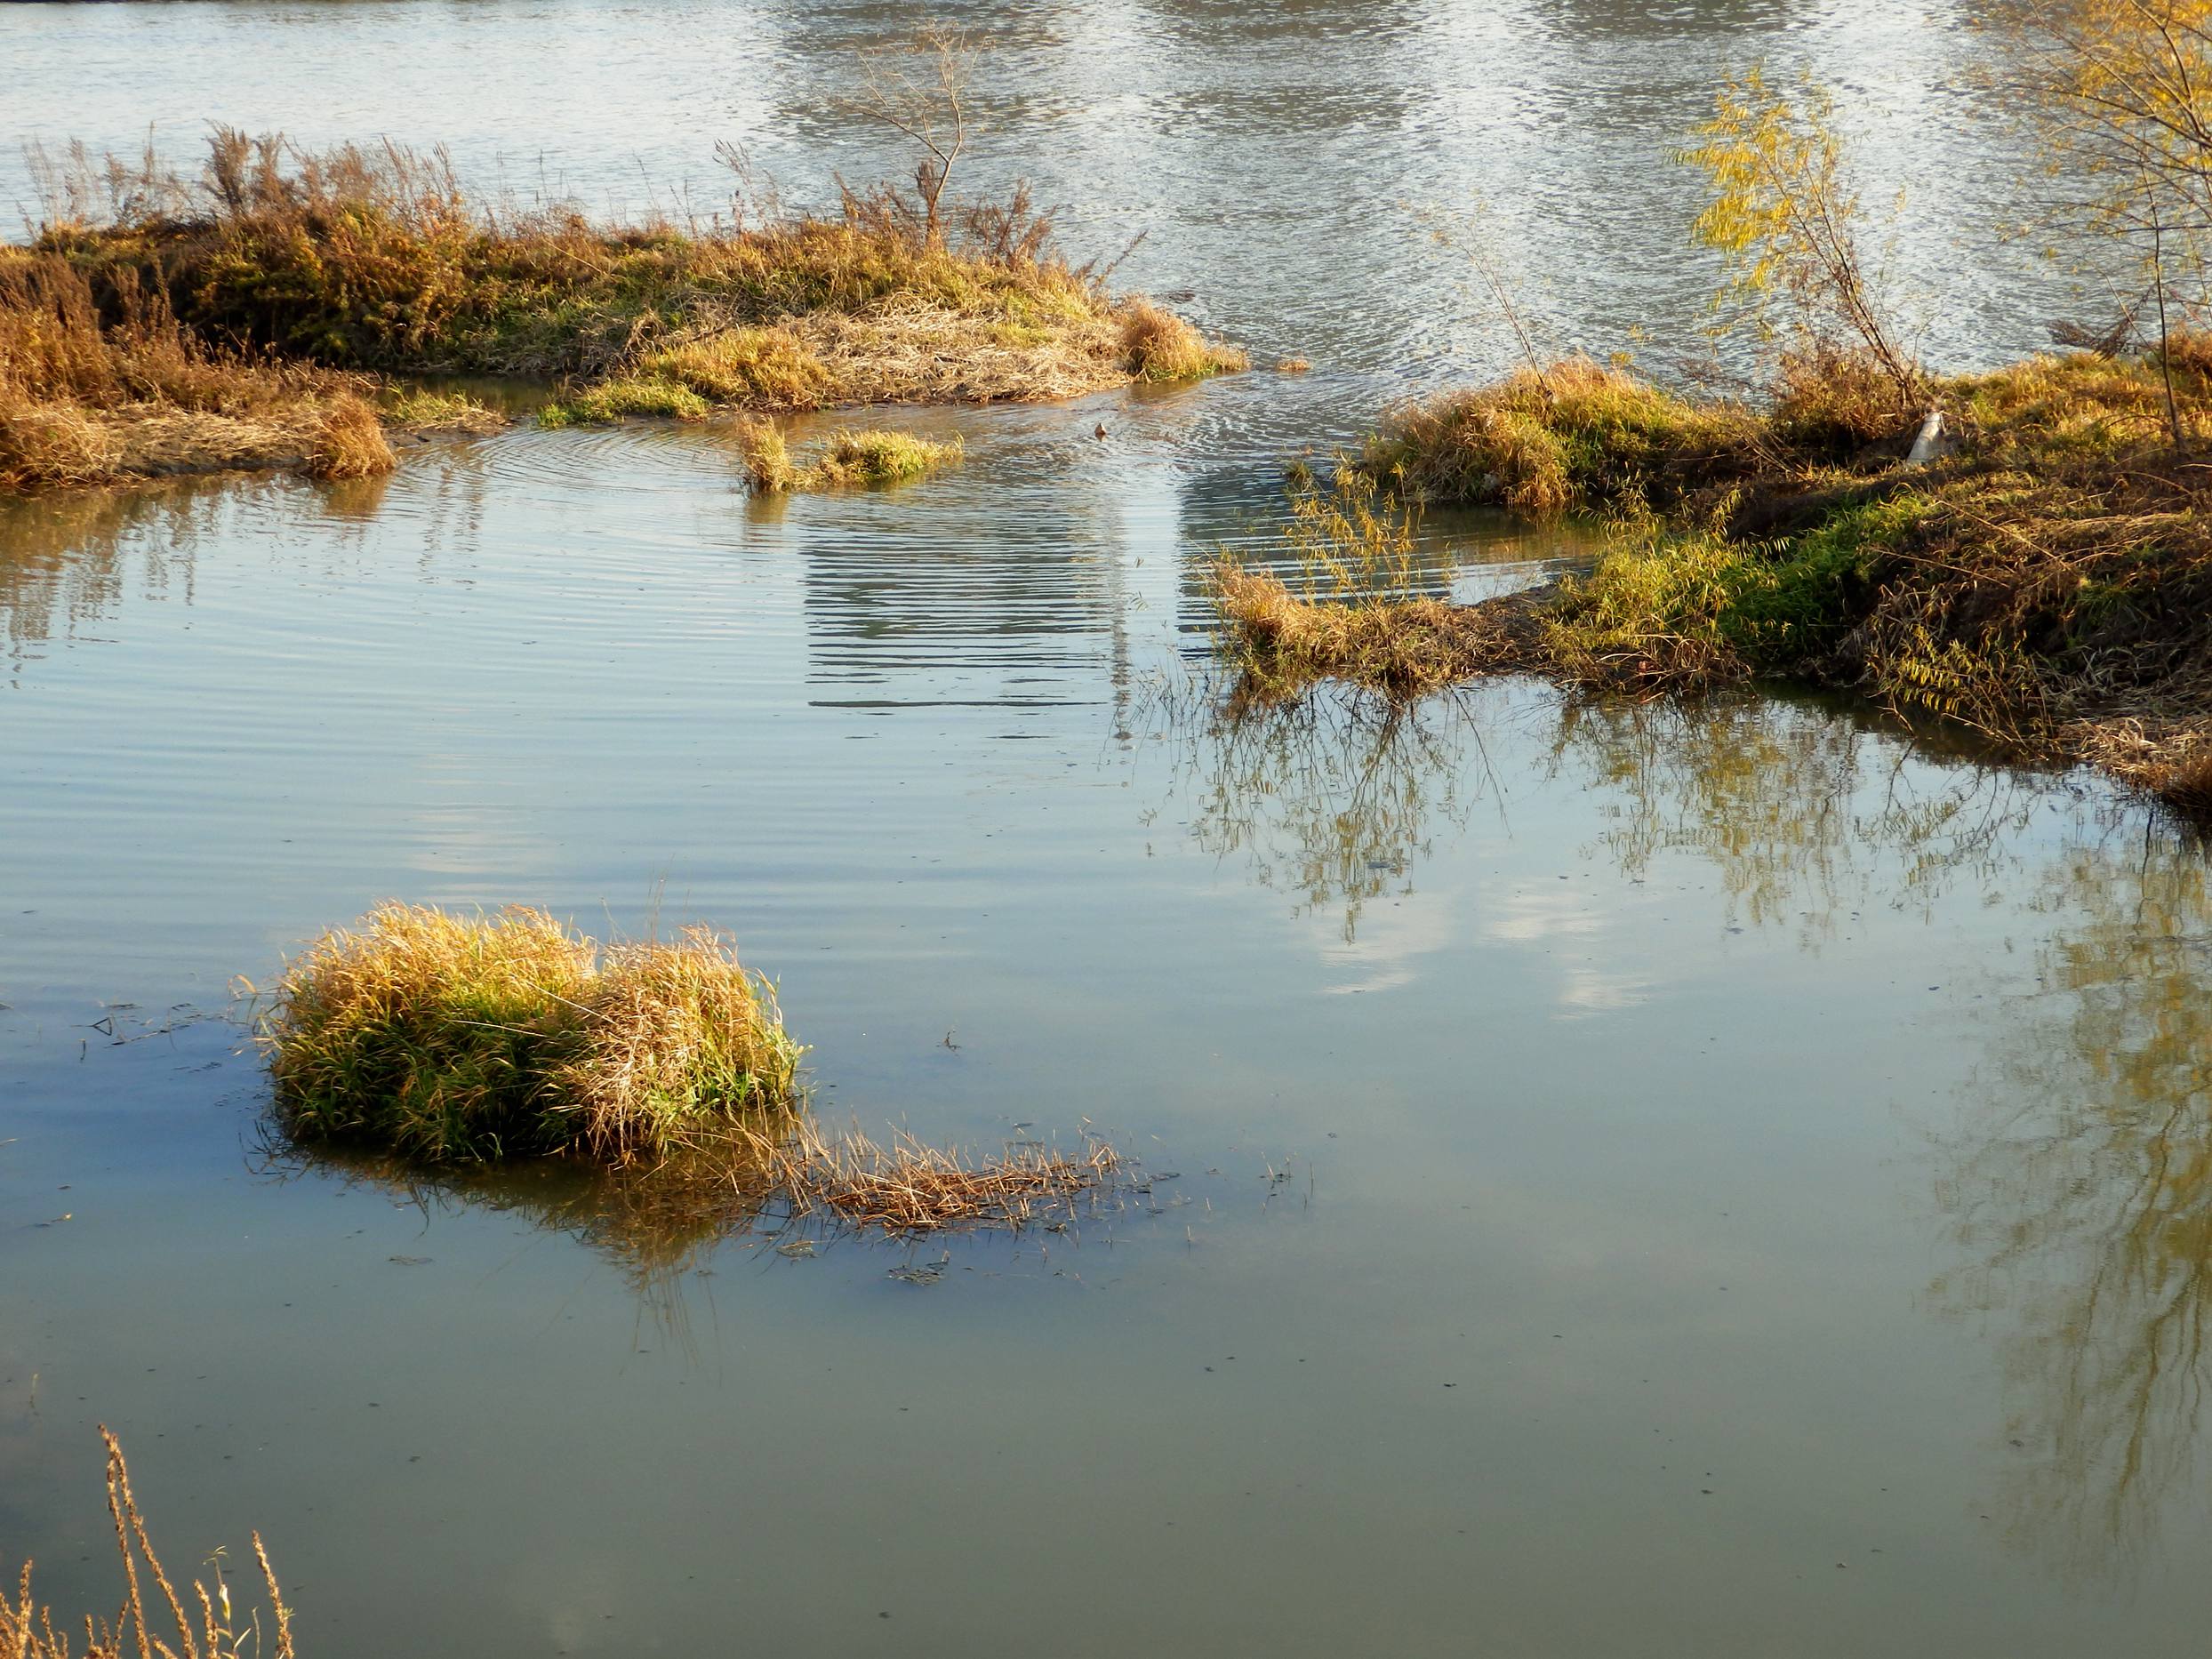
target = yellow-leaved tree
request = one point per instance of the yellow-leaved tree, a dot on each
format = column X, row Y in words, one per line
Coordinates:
column 2120, row 95
column 1785, row 213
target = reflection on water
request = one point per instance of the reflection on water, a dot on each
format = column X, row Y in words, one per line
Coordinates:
column 1807, row 813
column 2078, row 1181
column 654, row 1226
column 2081, row 1185
column 1332, row 799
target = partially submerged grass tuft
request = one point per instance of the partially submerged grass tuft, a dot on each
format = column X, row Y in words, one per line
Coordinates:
column 851, row 458
column 218, row 1630
column 445, row 1036
column 1160, row 345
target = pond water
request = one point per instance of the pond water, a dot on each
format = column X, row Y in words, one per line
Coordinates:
column 1727, row 1180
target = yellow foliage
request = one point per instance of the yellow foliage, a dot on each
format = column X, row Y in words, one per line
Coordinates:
column 1783, row 212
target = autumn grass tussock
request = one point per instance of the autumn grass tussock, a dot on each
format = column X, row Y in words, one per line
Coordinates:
column 1577, row 435
column 452, row 1037
column 204, row 1623
column 97, row 390
column 1158, row 345
column 375, row 258
column 851, row 458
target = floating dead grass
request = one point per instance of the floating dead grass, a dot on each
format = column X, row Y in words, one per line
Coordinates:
column 452, row 1037
column 902, row 1187
column 212, row 1628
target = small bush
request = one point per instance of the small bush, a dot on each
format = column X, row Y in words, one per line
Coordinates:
column 458, row 1038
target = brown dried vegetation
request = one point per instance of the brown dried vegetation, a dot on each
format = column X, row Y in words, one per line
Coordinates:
column 210, row 1628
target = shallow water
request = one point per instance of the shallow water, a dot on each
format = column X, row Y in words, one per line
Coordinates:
column 1622, row 1181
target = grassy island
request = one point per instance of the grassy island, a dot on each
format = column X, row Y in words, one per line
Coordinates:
column 257, row 316
column 2044, row 575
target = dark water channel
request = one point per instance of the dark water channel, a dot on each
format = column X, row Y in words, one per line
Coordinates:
column 1624, row 1181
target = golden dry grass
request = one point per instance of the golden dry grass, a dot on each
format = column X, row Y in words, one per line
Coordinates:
column 673, row 1037
column 447, row 1037
column 92, row 395
column 1576, row 434
column 1158, row 345
column 210, row 1626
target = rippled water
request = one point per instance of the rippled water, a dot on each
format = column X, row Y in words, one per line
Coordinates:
column 1727, row 1181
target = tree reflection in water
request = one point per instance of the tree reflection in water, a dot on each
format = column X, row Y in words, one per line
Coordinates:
column 2082, row 1189
column 1332, row 799
column 2077, row 1180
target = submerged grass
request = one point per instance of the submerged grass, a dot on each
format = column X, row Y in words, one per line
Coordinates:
column 2045, row 578
column 211, row 1627
column 234, row 297
column 446, row 1038
column 904, row 1188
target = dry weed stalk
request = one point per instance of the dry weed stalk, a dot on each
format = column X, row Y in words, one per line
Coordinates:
column 27, row 1631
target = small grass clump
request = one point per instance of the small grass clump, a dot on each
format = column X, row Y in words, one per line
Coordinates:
column 219, row 1630
column 447, row 1038
column 851, row 458
column 1160, row 345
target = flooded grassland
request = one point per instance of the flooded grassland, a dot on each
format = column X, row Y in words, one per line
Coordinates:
column 1707, row 1178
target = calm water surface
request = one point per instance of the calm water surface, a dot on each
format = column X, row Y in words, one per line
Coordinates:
column 1728, row 1181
